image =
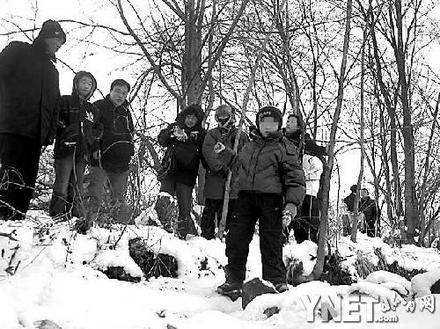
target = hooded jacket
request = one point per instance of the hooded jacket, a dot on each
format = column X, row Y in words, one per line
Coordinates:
column 187, row 153
column 78, row 129
column 117, row 146
column 29, row 91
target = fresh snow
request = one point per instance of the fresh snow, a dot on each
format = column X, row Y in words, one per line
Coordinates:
column 57, row 277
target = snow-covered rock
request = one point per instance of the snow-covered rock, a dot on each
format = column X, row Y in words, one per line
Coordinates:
column 421, row 284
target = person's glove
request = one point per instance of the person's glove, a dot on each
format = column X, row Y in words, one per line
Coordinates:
column 289, row 214
column 219, row 147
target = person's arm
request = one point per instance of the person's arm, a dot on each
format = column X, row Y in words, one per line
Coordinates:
column 211, row 157
column 293, row 175
column 8, row 59
column 313, row 149
column 165, row 137
column 130, row 124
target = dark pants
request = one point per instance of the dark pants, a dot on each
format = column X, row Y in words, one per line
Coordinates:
column 67, row 197
column 370, row 227
column 117, row 182
column 19, row 158
column 212, row 209
column 183, row 194
column 267, row 208
column 307, row 225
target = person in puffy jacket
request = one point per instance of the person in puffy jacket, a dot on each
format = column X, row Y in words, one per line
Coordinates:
column 29, row 93
column 270, row 179
column 217, row 171
column 77, row 136
column 185, row 138
column 111, row 164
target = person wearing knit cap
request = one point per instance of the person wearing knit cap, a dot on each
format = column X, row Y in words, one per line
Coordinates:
column 217, row 172
column 270, row 179
column 29, row 93
column 77, row 137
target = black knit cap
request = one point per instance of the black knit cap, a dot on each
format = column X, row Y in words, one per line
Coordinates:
column 269, row 111
column 51, row 29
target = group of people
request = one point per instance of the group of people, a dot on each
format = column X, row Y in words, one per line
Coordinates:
column 268, row 184
column 33, row 115
column 275, row 170
column 368, row 220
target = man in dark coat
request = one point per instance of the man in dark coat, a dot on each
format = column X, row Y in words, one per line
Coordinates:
column 217, row 171
column 371, row 213
column 185, row 138
column 116, row 149
column 29, row 92
column 348, row 218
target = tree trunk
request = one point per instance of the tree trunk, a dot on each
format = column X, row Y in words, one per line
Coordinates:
column 411, row 212
column 192, row 60
column 357, row 214
column 328, row 167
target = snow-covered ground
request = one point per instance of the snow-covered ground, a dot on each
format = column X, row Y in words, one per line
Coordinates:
column 54, row 275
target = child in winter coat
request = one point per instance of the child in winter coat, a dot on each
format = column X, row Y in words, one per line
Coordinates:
column 185, row 137
column 217, row 171
column 77, row 135
column 270, row 179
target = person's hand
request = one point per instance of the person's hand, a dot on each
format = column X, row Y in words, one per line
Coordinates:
column 179, row 134
column 219, row 147
column 289, row 214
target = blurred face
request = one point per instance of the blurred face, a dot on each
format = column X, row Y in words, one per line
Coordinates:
column 364, row 193
column 118, row 94
column 292, row 125
column 267, row 126
column 190, row 120
column 52, row 45
column 84, row 86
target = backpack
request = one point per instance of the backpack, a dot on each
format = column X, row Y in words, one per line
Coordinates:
column 168, row 164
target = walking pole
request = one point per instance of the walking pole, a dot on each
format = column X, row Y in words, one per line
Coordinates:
column 222, row 225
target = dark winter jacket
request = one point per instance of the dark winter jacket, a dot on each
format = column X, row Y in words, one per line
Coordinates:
column 78, row 130
column 309, row 146
column 368, row 207
column 187, row 153
column 29, row 91
column 270, row 165
column 116, row 144
column 349, row 201
column 217, row 171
